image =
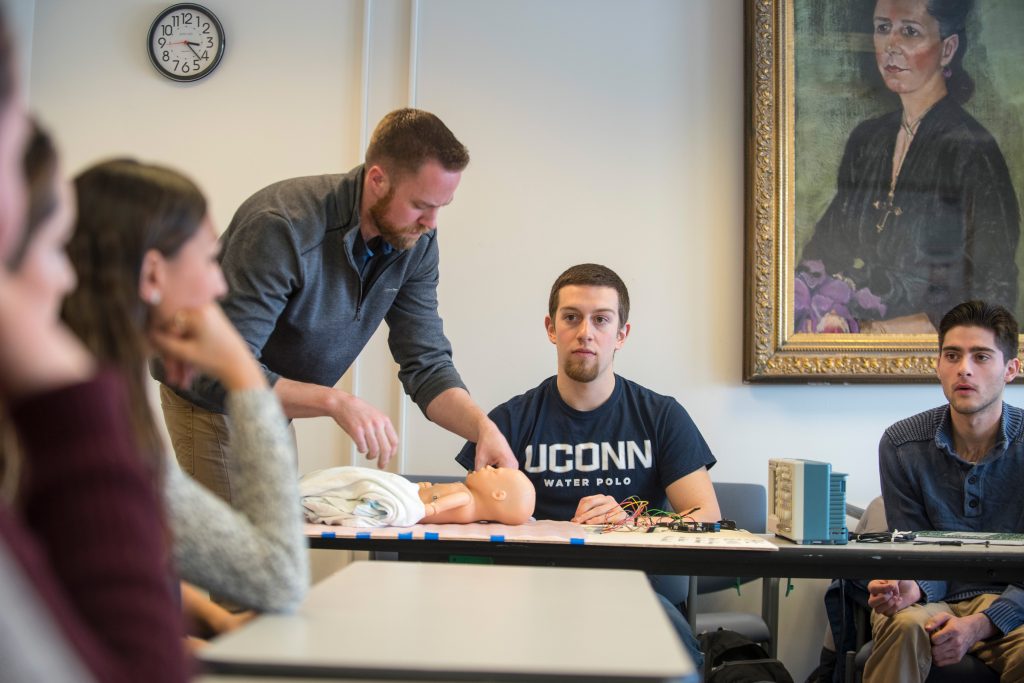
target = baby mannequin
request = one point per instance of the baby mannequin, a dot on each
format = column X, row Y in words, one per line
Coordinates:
column 364, row 497
column 492, row 494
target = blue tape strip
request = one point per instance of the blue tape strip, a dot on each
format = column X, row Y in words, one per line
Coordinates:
column 328, row 534
column 363, row 534
column 407, row 536
column 497, row 538
column 577, row 541
column 430, row 536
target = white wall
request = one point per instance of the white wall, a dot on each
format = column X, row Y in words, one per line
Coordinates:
column 607, row 131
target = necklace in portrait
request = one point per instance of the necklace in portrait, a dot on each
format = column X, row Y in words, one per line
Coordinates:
column 900, row 154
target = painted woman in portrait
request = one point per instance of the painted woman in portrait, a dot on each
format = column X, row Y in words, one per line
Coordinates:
column 925, row 215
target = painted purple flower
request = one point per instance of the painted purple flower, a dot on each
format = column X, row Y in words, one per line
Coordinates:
column 811, row 272
column 870, row 304
column 825, row 304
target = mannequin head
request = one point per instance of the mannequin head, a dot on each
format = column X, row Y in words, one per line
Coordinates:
column 502, row 494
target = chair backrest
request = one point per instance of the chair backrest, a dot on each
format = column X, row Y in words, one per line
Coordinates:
column 745, row 504
column 873, row 518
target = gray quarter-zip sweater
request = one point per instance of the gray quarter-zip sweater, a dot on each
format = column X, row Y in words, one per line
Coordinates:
column 296, row 296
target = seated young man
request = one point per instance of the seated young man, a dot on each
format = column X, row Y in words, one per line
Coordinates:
column 958, row 467
column 589, row 439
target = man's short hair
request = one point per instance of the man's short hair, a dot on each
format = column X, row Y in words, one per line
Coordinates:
column 406, row 139
column 591, row 275
column 987, row 316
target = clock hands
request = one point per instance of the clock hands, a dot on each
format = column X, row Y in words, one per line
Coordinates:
column 188, row 44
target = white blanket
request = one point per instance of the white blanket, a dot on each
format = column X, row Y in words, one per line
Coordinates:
column 360, row 497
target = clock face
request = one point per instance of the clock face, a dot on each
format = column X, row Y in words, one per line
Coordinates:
column 186, row 42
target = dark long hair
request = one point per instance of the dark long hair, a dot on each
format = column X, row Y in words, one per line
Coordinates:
column 952, row 17
column 41, row 168
column 7, row 79
column 126, row 208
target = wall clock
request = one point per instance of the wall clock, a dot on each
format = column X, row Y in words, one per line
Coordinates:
column 186, row 42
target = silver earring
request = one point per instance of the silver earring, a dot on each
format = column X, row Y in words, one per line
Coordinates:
column 154, row 298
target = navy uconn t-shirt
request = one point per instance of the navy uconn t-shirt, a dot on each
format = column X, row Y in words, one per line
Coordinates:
column 635, row 444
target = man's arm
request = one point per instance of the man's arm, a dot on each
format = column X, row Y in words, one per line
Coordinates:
column 1007, row 612
column 454, row 410
column 904, row 505
column 370, row 429
column 684, row 494
column 695, row 490
column 953, row 636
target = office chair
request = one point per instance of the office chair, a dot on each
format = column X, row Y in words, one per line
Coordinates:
column 970, row 668
column 747, row 505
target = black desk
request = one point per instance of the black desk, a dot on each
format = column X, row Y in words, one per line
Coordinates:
column 851, row 561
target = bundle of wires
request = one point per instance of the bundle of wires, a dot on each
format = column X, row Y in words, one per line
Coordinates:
column 640, row 516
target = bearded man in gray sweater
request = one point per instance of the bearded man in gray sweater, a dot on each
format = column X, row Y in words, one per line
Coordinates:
column 313, row 266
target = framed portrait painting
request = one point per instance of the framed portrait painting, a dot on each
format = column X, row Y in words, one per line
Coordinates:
column 884, row 176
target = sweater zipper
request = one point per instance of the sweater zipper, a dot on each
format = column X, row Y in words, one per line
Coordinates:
column 359, row 304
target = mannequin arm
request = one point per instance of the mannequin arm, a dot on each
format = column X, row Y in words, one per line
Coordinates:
column 448, row 502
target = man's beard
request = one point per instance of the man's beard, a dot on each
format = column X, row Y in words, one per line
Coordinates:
column 398, row 237
column 964, row 407
column 580, row 370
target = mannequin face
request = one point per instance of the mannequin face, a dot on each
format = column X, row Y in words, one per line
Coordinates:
column 502, row 494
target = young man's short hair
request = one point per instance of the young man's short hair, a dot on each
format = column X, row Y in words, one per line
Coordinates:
column 406, row 139
column 992, row 317
column 591, row 275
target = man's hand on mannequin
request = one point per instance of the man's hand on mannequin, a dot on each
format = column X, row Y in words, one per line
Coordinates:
column 454, row 410
column 492, row 449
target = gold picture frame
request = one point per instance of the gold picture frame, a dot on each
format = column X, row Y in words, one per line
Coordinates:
column 773, row 351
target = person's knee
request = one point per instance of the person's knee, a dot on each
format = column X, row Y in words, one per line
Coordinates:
column 907, row 625
column 682, row 629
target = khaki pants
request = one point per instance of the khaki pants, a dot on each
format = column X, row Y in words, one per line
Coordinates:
column 201, row 441
column 903, row 649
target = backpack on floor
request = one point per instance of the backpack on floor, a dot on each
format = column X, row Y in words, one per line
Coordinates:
column 732, row 658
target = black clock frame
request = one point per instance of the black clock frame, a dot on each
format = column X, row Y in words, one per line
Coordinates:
column 185, row 78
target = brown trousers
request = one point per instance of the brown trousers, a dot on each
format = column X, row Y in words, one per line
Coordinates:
column 903, row 649
column 201, row 441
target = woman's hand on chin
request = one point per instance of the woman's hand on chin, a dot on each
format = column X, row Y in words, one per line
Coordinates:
column 204, row 339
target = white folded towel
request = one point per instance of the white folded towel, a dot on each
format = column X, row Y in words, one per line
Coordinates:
column 360, row 496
